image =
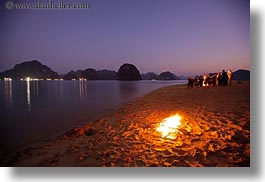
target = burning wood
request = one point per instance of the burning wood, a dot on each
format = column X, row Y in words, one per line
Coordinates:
column 169, row 127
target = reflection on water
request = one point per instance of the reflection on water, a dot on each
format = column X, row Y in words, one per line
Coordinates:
column 128, row 89
column 82, row 89
column 61, row 90
column 28, row 95
column 37, row 91
column 34, row 110
column 8, row 93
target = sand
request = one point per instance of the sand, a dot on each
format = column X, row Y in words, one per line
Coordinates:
column 214, row 131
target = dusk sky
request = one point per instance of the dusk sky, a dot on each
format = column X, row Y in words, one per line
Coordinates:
column 182, row 36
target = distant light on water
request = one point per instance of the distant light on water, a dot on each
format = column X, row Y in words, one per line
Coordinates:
column 27, row 79
column 82, row 79
column 7, row 79
column 30, row 79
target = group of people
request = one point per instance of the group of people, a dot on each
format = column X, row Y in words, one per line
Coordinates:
column 212, row 79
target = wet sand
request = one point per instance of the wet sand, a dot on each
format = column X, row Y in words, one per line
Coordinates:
column 214, row 131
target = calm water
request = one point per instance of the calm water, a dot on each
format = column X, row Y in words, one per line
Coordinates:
column 34, row 110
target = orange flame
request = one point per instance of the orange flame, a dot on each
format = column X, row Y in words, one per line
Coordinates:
column 169, row 127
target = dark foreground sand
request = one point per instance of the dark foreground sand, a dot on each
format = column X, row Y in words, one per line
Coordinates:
column 215, row 131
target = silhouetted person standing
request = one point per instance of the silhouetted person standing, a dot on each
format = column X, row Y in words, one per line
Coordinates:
column 224, row 78
column 190, row 82
column 201, row 80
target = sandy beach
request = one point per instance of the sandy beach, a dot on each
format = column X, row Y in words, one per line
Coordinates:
column 214, row 132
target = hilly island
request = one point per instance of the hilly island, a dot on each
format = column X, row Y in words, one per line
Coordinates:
column 126, row 72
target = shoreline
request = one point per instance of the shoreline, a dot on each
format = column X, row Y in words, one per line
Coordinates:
column 81, row 120
column 82, row 123
column 106, row 141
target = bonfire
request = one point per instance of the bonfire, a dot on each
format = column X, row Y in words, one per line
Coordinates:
column 169, row 127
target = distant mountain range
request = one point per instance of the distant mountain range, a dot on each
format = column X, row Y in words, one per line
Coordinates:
column 91, row 74
column 162, row 76
column 35, row 69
